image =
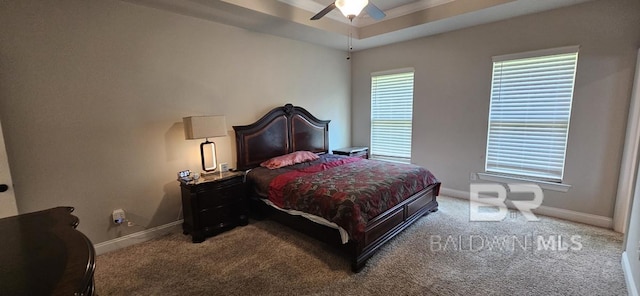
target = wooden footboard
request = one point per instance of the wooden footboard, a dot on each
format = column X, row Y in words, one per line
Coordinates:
column 390, row 223
column 379, row 230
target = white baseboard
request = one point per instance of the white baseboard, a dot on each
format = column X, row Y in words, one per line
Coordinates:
column 628, row 277
column 595, row 220
column 136, row 238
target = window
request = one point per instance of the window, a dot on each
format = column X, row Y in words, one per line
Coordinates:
column 531, row 95
column 391, row 115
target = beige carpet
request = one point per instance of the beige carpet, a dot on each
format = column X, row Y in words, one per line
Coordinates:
column 471, row 258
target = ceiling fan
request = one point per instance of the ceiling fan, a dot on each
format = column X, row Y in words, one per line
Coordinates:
column 351, row 9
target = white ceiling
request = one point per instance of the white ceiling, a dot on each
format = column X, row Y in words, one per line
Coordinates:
column 405, row 20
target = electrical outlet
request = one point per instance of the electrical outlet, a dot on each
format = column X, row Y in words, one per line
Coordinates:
column 224, row 167
column 473, row 177
column 118, row 216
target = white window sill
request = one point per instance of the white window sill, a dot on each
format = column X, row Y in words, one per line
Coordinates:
column 560, row 187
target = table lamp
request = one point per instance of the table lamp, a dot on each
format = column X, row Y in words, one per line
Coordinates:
column 205, row 127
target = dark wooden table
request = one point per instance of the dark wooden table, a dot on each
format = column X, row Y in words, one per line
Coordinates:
column 42, row 253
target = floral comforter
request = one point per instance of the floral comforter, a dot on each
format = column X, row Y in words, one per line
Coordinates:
column 347, row 190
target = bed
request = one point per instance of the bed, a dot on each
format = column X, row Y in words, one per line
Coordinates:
column 360, row 229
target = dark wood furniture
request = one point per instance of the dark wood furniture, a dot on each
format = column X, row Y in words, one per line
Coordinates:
column 287, row 129
column 42, row 253
column 213, row 204
column 362, row 152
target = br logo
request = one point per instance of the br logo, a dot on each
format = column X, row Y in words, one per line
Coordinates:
column 479, row 202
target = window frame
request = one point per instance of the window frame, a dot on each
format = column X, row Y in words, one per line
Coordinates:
column 372, row 148
column 495, row 175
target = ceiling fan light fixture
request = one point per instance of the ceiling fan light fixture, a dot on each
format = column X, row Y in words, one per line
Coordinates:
column 351, row 8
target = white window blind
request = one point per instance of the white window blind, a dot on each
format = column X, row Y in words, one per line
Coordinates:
column 391, row 115
column 529, row 114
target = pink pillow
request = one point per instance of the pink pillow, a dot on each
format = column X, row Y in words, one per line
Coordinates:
column 289, row 159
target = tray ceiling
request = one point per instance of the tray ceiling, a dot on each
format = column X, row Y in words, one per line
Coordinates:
column 406, row 19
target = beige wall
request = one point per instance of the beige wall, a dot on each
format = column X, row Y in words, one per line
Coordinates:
column 92, row 94
column 452, row 84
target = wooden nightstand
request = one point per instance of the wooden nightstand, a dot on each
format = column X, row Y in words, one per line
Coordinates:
column 362, row 152
column 213, row 204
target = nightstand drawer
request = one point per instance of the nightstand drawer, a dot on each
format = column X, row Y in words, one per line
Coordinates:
column 217, row 217
column 361, row 154
column 219, row 185
column 224, row 195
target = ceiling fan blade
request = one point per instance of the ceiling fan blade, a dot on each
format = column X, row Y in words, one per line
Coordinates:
column 374, row 11
column 324, row 11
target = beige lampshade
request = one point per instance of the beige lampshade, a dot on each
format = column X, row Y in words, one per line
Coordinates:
column 200, row 127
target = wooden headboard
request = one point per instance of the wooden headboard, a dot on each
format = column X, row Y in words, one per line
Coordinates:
column 283, row 130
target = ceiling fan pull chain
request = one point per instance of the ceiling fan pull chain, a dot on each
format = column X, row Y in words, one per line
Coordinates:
column 350, row 40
